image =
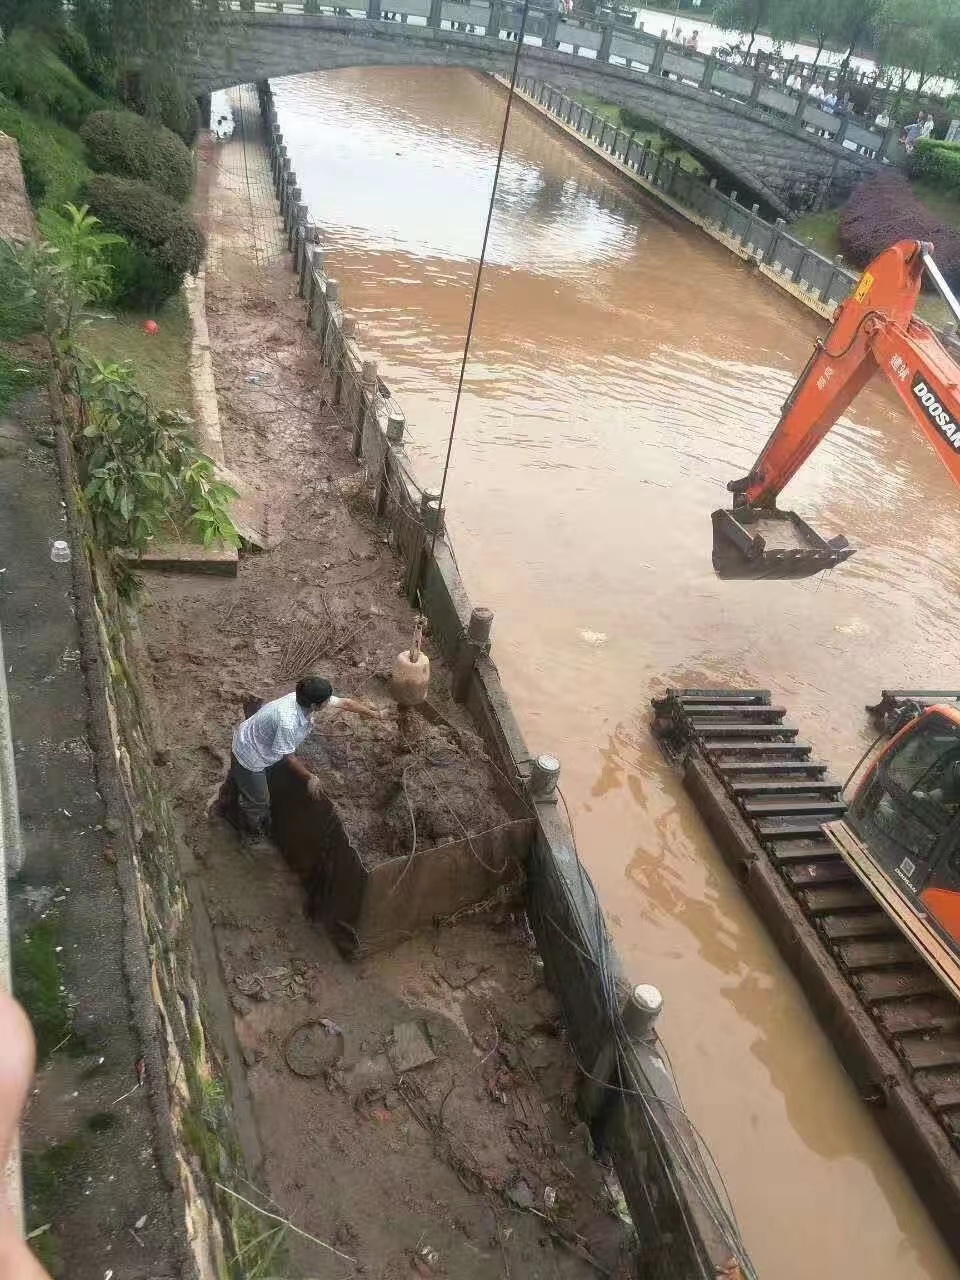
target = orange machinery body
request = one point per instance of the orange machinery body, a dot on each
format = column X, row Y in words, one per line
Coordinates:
column 875, row 331
column 906, row 812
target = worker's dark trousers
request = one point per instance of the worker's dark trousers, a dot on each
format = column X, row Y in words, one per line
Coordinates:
column 247, row 791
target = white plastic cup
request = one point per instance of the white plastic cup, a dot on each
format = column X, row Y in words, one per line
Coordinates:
column 60, row 552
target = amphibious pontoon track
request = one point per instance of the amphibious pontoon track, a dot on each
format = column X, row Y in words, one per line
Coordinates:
column 897, row 1028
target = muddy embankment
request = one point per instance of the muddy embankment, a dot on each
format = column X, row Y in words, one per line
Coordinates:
column 431, row 1085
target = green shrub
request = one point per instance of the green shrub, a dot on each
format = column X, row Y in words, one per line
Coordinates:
column 938, row 163
column 33, row 76
column 73, row 48
column 164, row 242
column 53, row 161
column 123, row 143
column 161, row 96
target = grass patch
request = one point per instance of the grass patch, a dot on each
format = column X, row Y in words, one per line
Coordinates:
column 54, row 163
column 37, row 981
column 820, row 231
column 161, row 360
column 16, row 375
column 45, row 1177
column 650, row 134
column 32, row 75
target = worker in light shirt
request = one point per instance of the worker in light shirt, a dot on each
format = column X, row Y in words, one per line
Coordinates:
column 273, row 734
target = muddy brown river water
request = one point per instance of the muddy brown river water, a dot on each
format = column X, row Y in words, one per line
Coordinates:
column 623, row 370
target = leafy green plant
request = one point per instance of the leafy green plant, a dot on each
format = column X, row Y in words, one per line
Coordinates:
column 60, row 276
column 126, row 144
column 140, row 470
column 164, row 240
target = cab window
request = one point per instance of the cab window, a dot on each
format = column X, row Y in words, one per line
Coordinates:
column 915, row 793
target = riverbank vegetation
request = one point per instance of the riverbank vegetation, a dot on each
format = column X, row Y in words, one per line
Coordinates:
column 109, row 182
column 915, row 43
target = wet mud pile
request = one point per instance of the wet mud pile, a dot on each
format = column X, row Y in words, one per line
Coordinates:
column 400, row 790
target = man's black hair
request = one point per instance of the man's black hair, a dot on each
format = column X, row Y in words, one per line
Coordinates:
column 313, row 691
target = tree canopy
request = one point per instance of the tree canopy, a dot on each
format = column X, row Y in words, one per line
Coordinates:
column 920, row 39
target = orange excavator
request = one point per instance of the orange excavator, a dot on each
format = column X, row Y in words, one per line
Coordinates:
column 904, row 819
column 874, row 331
column 862, row 895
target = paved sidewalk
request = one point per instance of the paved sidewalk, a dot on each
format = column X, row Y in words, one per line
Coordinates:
column 243, row 191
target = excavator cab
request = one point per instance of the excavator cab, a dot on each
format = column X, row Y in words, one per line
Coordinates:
column 906, row 811
column 874, row 331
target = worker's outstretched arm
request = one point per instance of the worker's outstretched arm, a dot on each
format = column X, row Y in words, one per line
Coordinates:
column 838, row 369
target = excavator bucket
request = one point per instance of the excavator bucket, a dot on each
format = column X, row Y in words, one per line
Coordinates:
column 764, row 542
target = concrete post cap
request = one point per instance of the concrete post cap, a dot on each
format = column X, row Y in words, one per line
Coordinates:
column 647, row 998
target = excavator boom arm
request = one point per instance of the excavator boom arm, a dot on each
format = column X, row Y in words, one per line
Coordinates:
column 875, row 319
column 875, row 330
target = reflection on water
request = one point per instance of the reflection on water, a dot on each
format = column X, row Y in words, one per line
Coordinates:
column 623, row 370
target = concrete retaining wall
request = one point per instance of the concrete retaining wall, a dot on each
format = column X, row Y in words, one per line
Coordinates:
column 629, row 1097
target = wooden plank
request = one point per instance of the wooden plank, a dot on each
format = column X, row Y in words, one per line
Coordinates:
column 936, row 1050
column 846, row 926
column 926, row 942
column 719, row 695
column 879, row 954
column 848, row 897
column 769, row 770
column 814, row 807
column 733, row 729
column 921, row 1013
column 718, row 747
column 826, row 871
column 875, row 988
column 780, row 786
column 940, row 1087
column 746, row 713
column 794, row 851
column 787, row 828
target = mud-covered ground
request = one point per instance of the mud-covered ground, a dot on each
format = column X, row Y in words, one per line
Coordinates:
column 402, row 789
column 474, row 1155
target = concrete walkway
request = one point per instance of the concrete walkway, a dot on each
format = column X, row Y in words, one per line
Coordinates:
column 244, row 178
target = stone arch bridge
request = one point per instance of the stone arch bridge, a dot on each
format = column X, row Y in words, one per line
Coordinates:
column 772, row 143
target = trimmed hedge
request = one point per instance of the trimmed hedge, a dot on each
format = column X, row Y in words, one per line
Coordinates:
column 54, row 166
column 160, row 95
column 937, row 163
column 163, row 241
column 32, row 76
column 883, row 210
column 123, row 143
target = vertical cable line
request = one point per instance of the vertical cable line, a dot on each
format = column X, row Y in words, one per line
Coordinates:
column 479, row 277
